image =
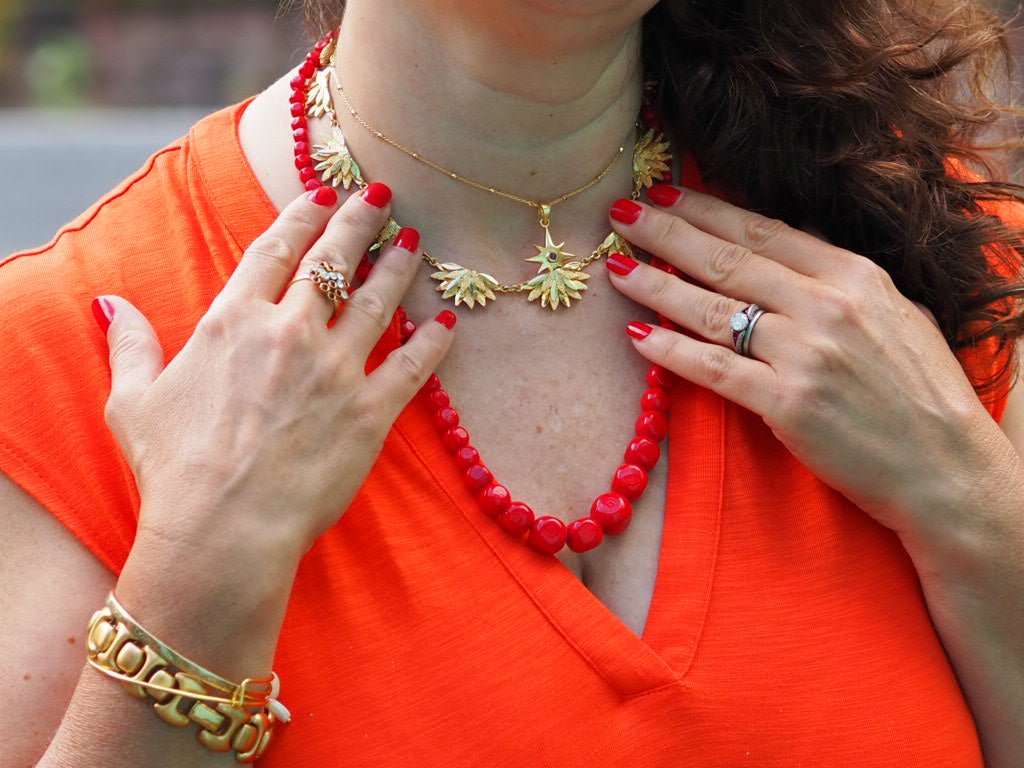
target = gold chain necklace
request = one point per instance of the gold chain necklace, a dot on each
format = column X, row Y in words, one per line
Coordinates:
column 561, row 276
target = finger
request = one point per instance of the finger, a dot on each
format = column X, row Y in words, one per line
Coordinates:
column 802, row 252
column 369, row 309
column 406, row 369
column 730, row 268
column 270, row 261
column 749, row 383
column 351, row 230
column 136, row 357
column 697, row 309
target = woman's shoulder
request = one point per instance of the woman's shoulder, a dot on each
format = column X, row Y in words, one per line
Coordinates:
column 159, row 240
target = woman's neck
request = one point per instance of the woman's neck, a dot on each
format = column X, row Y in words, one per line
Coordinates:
column 528, row 99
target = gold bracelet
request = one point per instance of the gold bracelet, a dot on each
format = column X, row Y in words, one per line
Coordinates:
column 115, row 650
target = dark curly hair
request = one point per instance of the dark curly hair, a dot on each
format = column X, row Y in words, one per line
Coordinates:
column 878, row 122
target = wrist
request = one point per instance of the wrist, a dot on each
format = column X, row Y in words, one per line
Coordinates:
column 972, row 515
column 219, row 602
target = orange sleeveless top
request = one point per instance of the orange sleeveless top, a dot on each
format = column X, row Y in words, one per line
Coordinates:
column 787, row 628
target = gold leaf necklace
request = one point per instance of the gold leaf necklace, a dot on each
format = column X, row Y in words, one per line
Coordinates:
column 561, row 276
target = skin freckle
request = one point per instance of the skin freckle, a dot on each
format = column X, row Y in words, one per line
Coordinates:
column 71, row 641
column 27, row 676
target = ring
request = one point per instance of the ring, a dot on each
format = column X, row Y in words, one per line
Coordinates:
column 329, row 279
column 742, row 324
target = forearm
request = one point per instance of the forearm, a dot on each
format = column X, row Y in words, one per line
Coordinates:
column 972, row 575
column 220, row 606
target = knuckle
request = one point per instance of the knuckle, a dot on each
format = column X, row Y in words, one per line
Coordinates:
column 272, row 248
column 130, row 342
column 716, row 364
column 670, row 230
column 371, row 304
column 726, row 260
column 412, row 367
column 760, row 232
column 349, row 217
column 290, row 329
column 717, row 313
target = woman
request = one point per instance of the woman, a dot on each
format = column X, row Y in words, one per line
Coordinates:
column 824, row 569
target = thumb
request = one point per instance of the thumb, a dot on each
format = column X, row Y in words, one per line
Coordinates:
column 136, row 357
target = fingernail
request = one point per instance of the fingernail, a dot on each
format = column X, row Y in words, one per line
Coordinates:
column 377, row 194
column 664, row 195
column 447, row 318
column 408, row 238
column 103, row 311
column 325, row 196
column 638, row 330
column 621, row 264
column 625, row 211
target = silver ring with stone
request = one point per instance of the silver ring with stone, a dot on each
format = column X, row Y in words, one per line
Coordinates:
column 741, row 323
column 749, row 332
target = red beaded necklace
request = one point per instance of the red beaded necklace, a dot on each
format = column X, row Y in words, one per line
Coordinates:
column 611, row 512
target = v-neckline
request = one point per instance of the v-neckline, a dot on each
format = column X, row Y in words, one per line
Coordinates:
column 629, row 663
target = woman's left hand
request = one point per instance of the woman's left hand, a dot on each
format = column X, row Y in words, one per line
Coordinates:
column 852, row 377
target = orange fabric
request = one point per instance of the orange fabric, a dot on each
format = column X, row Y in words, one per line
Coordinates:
column 786, row 629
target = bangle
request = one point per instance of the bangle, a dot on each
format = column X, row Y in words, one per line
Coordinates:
column 242, row 722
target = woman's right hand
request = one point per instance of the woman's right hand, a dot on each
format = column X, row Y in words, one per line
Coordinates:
column 264, row 426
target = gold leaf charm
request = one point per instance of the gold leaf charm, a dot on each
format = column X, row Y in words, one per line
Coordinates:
column 465, row 285
column 328, row 52
column 651, row 158
column 558, row 285
column 336, row 164
column 391, row 228
column 318, row 100
column 614, row 243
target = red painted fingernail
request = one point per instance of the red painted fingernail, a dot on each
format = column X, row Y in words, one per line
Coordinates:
column 664, row 195
column 103, row 311
column 325, row 196
column 621, row 264
column 638, row 330
column 626, row 211
column 408, row 238
column 377, row 194
column 447, row 318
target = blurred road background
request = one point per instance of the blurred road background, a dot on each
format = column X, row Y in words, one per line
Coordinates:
column 90, row 88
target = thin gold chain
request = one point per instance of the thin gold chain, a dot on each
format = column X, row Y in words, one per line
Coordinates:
column 457, row 177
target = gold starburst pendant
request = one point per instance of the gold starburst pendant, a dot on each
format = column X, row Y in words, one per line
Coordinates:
column 561, row 276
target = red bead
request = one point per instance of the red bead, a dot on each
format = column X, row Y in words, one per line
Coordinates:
column 308, row 69
column 300, row 122
column 478, row 477
column 297, row 83
column 446, row 418
column 432, row 383
column 630, row 480
column 300, row 134
column 547, row 535
column 438, row 398
column 297, row 97
column 455, row 438
column 495, row 499
column 583, row 534
column 517, row 519
column 652, row 424
column 307, row 174
column 613, row 512
column 658, row 377
column 298, row 109
column 643, row 452
column 466, row 457
column 655, row 399
column 301, row 148
column 408, row 328
column 303, row 161
column 313, row 184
